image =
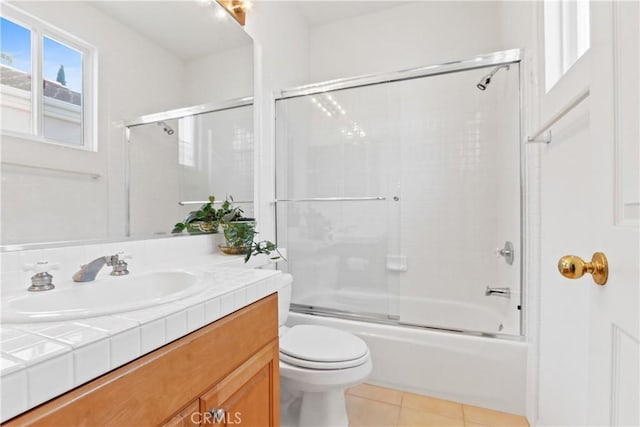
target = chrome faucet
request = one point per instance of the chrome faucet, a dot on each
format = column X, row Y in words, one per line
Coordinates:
column 88, row 272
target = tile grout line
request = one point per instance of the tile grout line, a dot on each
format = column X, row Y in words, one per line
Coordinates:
column 374, row 400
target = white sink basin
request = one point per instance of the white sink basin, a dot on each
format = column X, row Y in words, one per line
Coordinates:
column 105, row 295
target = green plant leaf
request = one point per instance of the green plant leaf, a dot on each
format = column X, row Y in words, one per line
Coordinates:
column 179, row 227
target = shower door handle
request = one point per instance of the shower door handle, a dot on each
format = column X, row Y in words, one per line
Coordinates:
column 499, row 292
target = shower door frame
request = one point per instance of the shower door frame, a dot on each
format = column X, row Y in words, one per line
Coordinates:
column 177, row 113
column 505, row 57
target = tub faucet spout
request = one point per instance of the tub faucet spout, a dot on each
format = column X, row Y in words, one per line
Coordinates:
column 89, row 271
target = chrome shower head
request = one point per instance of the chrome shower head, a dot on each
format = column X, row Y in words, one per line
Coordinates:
column 484, row 82
column 165, row 127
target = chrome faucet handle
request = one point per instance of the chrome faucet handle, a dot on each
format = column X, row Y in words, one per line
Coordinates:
column 111, row 260
column 507, row 252
column 42, row 280
column 120, row 266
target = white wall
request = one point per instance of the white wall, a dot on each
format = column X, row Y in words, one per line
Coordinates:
column 219, row 76
column 518, row 22
column 281, row 58
column 417, row 34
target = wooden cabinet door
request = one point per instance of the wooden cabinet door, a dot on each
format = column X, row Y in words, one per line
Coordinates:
column 247, row 397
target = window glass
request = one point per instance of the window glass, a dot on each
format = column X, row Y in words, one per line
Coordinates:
column 62, row 90
column 15, row 76
column 566, row 36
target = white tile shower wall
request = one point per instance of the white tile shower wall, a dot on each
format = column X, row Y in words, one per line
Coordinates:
column 461, row 192
column 128, row 87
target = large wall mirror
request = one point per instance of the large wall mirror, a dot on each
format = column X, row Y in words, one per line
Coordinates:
column 114, row 113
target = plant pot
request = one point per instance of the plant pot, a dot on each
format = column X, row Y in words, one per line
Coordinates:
column 229, row 250
column 202, row 227
column 238, row 235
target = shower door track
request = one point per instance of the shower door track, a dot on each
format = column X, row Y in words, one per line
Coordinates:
column 390, row 320
column 480, row 61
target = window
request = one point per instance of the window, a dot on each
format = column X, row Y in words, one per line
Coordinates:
column 566, row 36
column 46, row 82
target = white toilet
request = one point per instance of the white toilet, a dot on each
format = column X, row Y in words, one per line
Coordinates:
column 317, row 364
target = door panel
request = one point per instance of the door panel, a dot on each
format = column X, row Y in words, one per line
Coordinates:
column 588, row 369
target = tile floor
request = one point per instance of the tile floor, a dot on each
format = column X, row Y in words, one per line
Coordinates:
column 370, row 406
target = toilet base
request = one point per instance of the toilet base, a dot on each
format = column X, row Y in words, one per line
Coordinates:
column 311, row 409
column 324, row 409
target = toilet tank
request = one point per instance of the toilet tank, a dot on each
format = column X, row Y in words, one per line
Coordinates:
column 284, row 298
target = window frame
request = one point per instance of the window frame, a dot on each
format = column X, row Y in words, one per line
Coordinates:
column 40, row 29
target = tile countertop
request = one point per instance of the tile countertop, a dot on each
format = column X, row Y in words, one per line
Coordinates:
column 43, row 360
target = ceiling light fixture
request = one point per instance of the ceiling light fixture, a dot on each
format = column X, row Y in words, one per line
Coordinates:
column 237, row 8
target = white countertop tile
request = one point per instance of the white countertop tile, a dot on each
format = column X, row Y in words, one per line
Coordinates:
column 73, row 334
column 14, row 395
column 153, row 313
column 7, row 334
column 110, row 324
column 33, row 348
column 8, row 365
column 53, row 357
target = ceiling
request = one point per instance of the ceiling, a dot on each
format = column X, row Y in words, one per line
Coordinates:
column 187, row 29
column 319, row 12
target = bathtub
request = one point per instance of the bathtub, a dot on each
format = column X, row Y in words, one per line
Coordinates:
column 491, row 315
column 483, row 371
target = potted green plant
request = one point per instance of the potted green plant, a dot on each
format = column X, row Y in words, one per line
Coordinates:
column 239, row 234
column 207, row 218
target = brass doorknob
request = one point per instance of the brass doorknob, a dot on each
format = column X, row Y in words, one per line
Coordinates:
column 574, row 267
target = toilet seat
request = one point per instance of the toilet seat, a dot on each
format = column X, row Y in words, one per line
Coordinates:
column 322, row 348
column 311, row 364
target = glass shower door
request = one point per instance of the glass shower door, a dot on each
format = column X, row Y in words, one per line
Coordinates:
column 335, row 161
column 440, row 161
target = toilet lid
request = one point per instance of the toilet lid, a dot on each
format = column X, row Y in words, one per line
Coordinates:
column 322, row 344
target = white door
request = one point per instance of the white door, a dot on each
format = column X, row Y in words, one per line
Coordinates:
column 588, row 336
